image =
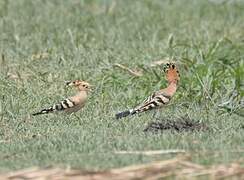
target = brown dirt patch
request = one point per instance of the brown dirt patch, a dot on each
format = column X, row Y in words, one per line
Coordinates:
column 178, row 125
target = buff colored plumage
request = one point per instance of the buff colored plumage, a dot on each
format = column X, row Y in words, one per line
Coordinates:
column 71, row 104
column 160, row 98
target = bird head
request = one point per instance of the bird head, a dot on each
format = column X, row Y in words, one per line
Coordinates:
column 80, row 85
column 172, row 73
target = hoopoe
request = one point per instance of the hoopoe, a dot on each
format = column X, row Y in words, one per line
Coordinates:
column 159, row 98
column 71, row 104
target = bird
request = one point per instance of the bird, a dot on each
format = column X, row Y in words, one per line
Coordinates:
column 159, row 98
column 73, row 103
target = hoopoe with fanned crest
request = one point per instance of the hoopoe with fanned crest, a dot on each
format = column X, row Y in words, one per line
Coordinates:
column 71, row 104
column 159, row 98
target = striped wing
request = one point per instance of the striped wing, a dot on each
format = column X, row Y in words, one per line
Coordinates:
column 64, row 105
column 156, row 100
column 149, row 99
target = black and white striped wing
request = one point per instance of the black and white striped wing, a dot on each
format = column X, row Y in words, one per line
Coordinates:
column 63, row 105
column 146, row 101
column 154, row 101
column 149, row 99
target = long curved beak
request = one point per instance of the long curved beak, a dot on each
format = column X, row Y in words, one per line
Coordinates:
column 69, row 83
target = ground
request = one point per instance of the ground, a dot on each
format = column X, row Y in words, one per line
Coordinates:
column 45, row 43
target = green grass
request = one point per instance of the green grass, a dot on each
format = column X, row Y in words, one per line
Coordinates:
column 83, row 40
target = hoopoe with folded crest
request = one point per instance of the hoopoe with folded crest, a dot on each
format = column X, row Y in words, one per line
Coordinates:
column 71, row 104
column 159, row 98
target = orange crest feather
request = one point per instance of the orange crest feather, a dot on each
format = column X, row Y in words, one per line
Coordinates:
column 172, row 73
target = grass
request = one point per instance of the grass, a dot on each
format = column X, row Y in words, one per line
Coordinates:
column 44, row 43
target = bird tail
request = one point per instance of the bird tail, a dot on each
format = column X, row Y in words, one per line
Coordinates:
column 124, row 114
column 44, row 111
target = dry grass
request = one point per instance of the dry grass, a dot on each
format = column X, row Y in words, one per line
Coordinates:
column 180, row 168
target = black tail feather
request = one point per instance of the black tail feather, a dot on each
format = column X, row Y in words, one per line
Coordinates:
column 35, row 114
column 122, row 114
column 44, row 111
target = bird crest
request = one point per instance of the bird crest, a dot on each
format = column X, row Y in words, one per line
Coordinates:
column 172, row 72
column 80, row 85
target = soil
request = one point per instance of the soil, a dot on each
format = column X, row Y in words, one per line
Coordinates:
column 178, row 125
